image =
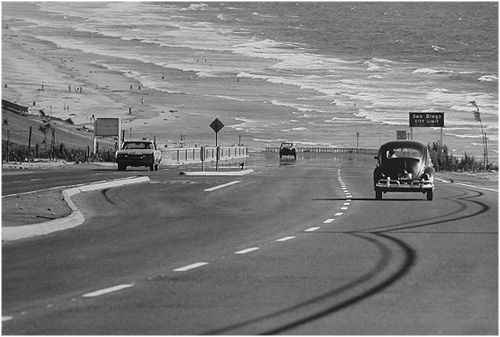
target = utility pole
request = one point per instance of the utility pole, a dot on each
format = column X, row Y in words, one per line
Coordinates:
column 6, row 123
column 29, row 143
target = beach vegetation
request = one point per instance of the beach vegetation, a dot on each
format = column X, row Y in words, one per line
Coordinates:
column 21, row 153
column 443, row 160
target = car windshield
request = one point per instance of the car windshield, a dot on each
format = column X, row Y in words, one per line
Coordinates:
column 137, row 145
column 403, row 153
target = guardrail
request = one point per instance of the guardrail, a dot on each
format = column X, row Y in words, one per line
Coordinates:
column 202, row 154
column 327, row 149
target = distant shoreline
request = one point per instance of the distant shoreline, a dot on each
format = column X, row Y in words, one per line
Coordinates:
column 80, row 85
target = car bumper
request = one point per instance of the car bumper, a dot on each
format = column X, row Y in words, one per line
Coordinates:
column 136, row 161
column 385, row 185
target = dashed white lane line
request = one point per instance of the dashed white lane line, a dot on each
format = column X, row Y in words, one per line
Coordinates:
column 344, row 208
column 107, row 290
column 286, row 238
column 6, row 318
column 338, row 214
column 191, row 266
column 221, row 186
column 248, row 250
column 329, row 221
column 347, row 203
column 312, row 229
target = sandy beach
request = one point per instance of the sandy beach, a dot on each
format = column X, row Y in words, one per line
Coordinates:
column 70, row 84
column 67, row 84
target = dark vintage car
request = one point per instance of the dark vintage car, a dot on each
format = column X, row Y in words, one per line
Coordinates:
column 288, row 149
column 404, row 166
column 138, row 153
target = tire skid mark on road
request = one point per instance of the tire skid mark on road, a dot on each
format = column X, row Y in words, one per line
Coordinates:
column 240, row 252
column 383, row 274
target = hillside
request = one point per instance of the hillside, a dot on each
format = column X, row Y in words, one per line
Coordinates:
column 66, row 133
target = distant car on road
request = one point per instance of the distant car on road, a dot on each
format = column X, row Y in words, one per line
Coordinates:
column 403, row 166
column 288, row 149
column 138, row 153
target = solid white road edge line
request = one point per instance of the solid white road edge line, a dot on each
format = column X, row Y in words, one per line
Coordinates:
column 108, row 290
column 191, row 266
column 482, row 188
column 221, row 186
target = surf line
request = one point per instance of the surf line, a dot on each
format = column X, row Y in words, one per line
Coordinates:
column 222, row 186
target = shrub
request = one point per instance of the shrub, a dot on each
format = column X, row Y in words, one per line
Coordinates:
column 443, row 160
column 17, row 152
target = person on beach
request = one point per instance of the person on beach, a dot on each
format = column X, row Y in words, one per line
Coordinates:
column 130, row 110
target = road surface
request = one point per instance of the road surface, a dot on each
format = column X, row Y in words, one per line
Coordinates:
column 298, row 247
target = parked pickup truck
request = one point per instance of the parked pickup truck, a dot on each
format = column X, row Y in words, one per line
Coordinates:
column 138, row 153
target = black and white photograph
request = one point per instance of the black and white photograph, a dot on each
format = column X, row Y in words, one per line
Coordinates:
column 249, row 168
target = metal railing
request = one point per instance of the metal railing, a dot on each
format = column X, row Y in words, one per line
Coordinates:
column 204, row 153
column 328, row 149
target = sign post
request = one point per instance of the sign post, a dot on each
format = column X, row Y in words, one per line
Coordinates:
column 107, row 127
column 216, row 125
column 427, row 119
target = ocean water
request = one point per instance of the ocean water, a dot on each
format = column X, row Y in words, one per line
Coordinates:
column 335, row 69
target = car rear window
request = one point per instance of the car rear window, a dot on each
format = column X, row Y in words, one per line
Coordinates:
column 137, row 145
column 403, row 153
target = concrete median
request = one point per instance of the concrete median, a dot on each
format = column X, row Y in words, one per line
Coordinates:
column 74, row 219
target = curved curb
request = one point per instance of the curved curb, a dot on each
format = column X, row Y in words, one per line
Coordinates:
column 216, row 173
column 74, row 219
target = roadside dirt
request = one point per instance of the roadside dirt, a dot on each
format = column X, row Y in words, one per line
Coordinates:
column 32, row 208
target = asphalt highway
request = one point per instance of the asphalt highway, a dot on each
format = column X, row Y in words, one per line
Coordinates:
column 298, row 247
